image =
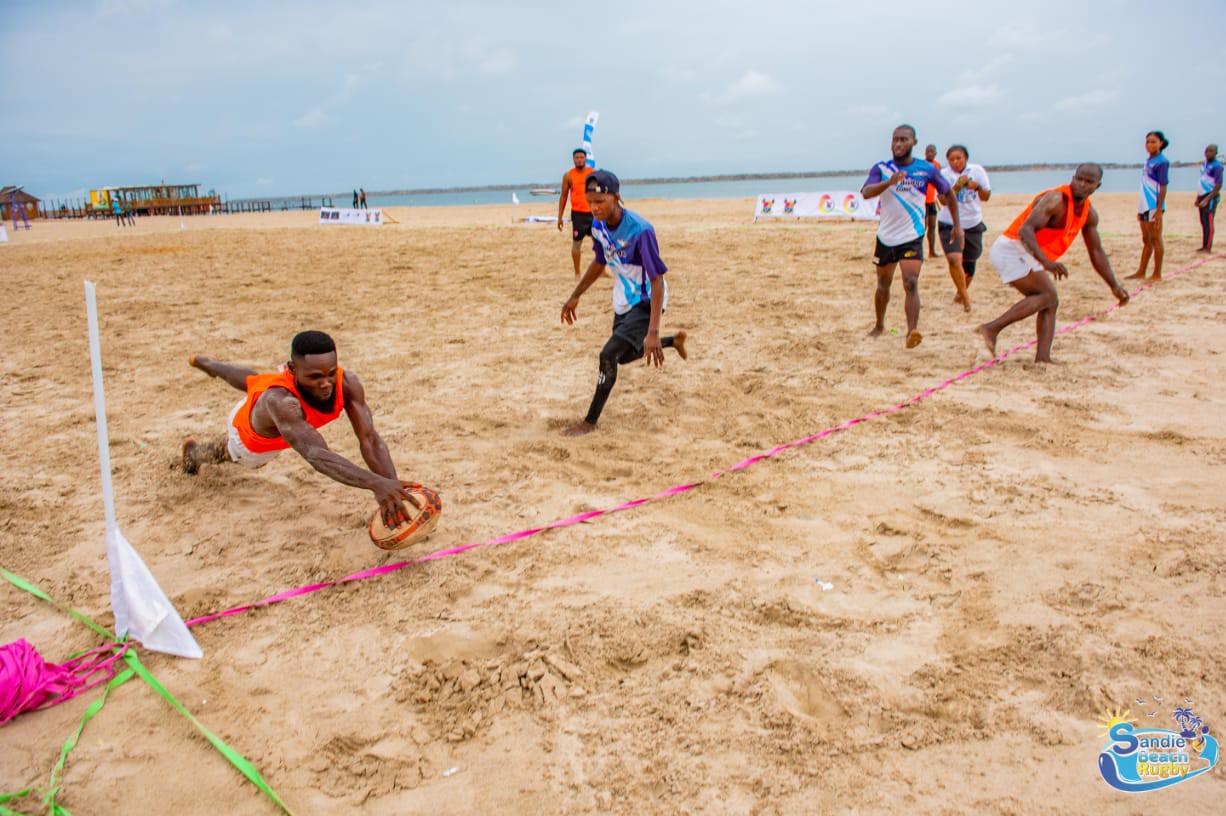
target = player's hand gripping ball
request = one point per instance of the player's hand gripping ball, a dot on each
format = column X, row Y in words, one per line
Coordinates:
column 422, row 520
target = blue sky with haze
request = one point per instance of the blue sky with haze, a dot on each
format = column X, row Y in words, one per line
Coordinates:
column 282, row 98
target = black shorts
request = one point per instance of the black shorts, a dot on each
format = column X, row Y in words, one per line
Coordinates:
column 581, row 225
column 632, row 326
column 930, row 208
column 910, row 251
column 974, row 241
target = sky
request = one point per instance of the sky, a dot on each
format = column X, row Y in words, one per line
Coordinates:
column 275, row 98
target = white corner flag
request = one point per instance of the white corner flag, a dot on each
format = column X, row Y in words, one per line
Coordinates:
column 589, row 127
column 514, row 198
column 141, row 608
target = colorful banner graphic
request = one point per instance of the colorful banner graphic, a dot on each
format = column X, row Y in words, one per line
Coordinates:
column 833, row 204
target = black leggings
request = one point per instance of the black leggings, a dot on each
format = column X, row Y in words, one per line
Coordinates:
column 1206, row 226
column 618, row 351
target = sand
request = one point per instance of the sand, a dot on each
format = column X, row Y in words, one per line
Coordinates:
column 1007, row 560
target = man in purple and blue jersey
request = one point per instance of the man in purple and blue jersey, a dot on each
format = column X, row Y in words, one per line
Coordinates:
column 1208, row 196
column 624, row 242
column 902, row 183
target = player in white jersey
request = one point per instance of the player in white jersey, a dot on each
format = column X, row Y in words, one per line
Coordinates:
column 971, row 187
column 902, row 182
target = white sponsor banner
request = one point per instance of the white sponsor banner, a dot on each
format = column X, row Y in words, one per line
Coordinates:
column 832, row 204
column 341, row 215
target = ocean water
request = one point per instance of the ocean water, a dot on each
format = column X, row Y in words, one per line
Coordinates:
column 1127, row 180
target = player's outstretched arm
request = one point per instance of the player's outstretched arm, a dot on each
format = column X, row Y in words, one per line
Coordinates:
column 374, row 450
column 291, row 423
column 595, row 270
column 1098, row 257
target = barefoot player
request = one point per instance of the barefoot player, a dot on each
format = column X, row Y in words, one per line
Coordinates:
column 971, row 187
column 902, row 183
column 1151, row 205
column 930, row 203
column 625, row 241
column 283, row 410
column 1031, row 247
column 580, row 210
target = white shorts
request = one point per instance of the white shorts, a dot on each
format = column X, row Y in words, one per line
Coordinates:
column 238, row 451
column 1011, row 259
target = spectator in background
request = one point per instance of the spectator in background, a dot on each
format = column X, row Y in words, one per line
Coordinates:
column 930, row 203
column 1152, row 203
column 1208, row 196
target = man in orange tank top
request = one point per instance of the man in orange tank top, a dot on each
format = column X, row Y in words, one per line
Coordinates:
column 285, row 410
column 1031, row 247
column 573, row 185
column 930, row 203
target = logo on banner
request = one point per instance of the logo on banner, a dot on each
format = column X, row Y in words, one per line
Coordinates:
column 766, row 206
column 825, row 204
column 1143, row 759
column 789, row 206
column 851, row 204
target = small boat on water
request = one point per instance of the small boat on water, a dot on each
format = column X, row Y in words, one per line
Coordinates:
column 545, row 191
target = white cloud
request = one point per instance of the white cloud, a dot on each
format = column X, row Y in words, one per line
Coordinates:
column 263, row 182
column 574, row 123
column 1031, row 116
column 973, row 75
column 356, row 80
column 194, row 167
column 751, row 83
column 1093, row 99
column 873, row 112
column 109, row 8
column 970, row 96
column 1021, row 35
column 497, row 63
column 313, row 119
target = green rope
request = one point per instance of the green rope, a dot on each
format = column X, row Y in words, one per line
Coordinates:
column 236, row 759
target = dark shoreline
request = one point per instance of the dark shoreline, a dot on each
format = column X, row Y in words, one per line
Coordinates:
column 991, row 168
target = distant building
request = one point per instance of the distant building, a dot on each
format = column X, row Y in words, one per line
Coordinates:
column 155, row 199
column 24, row 200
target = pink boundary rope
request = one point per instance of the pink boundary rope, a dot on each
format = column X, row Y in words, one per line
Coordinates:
column 677, row 489
column 28, row 683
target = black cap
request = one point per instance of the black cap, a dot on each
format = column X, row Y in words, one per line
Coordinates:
column 602, row 181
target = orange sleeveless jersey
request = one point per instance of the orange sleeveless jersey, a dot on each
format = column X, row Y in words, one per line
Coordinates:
column 930, row 197
column 258, row 384
column 578, row 189
column 1054, row 241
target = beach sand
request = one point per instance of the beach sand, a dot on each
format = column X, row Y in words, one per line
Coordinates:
column 1009, row 558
